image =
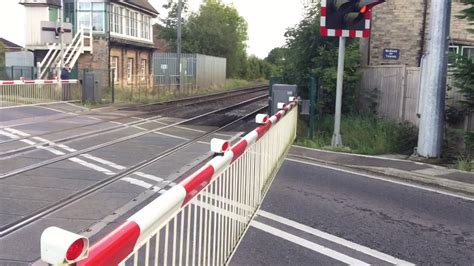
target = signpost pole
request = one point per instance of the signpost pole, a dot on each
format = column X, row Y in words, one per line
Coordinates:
column 336, row 137
column 312, row 106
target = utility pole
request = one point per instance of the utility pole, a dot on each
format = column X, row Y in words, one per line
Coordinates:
column 61, row 52
column 178, row 45
column 336, row 137
column 430, row 138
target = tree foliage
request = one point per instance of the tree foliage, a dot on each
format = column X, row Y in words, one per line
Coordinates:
column 2, row 55
column 216, row 29
column 464, row 70
column 468, row 13
column 308, row 54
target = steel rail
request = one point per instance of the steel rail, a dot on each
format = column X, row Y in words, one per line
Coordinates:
column 150, row 112
column 24, row 221
column 8, row 154
column 123, row 139
column 97, row 111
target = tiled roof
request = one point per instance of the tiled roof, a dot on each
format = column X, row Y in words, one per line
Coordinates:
column 9, row 45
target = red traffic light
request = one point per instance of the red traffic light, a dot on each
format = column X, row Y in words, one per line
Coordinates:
column 366, row 5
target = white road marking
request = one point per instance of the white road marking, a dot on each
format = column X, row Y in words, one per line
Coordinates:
column 137, row 182
column 151, row 177
column 54, row 151
column 44, row 141
column 67, row 148
column 91, row 166
column 6, row 134
column 103, row 161
column 29, row 142
column 335, row 239
column 383, row 179
column 18, row 132
column 307, row 244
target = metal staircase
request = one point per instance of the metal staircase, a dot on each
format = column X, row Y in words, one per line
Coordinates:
column 82, row 42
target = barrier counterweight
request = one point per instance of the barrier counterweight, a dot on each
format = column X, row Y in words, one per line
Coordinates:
column 201, row 220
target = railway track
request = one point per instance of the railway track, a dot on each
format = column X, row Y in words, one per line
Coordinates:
column 166, row 105
column 148, row 117
column 48, row 209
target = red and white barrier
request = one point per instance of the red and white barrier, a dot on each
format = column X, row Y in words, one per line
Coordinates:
column 37, row 81
column 26, row 92
column 219, row 184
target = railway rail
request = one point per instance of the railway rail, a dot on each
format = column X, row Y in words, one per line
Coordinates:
column 148, row 117
column 48, row 209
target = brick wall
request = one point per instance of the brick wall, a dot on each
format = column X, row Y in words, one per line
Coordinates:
column 400, row 25
column 123, row 54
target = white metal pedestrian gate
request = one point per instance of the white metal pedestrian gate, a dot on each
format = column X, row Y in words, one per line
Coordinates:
column 200, row 220
column 22, row 92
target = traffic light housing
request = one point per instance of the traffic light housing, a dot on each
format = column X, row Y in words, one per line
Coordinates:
column 57, row 32
column 347, row 18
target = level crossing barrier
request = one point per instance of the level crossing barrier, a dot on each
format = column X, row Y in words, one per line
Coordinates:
column 22, row 92
column 200, row 220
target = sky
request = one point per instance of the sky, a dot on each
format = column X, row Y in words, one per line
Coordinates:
column 267, row 21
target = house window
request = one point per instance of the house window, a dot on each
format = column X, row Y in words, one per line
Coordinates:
column 117, row 19
column 129, row 70
column 143, row 69
column 453, row 53
column 468, row 52
column 134, row 24
column 114, row 68
column 91, row 14
column 130, row 23
column 127, row 21
column 53, row 14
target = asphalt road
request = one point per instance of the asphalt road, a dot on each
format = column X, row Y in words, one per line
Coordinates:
column 314, row 215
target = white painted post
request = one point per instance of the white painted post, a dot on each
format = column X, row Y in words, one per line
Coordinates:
column 336, row 137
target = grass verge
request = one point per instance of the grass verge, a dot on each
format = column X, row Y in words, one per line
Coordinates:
column 165, row 93
column 362, row 134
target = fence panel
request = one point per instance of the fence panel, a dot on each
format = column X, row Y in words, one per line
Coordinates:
column 22, row 92
column 413, row 75
column 398, row 89
column 201, row 220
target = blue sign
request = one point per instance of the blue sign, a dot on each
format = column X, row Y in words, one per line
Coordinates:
column 393, row 54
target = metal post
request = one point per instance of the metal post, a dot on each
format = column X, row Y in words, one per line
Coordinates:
column 113, row 87
column 430, row 138
column 336, row 137
column 312, row 103
column 61, row 52
column 178, row 44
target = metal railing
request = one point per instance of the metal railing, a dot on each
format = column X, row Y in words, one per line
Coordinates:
column 199, row 221
column 24, row 92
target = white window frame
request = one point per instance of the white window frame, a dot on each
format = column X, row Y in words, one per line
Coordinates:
column 114, row 67
column 467, row 47
column 130, row 69
column 143, row 68
column 90, row 11
column 457, row 52
column 130, row 24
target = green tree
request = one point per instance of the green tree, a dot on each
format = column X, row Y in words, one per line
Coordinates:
column 276, row 59
column 217, row 29
column 310, row 54
column 2, row 55
column 167, row 28
column 468, row 13
column 464, row 70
